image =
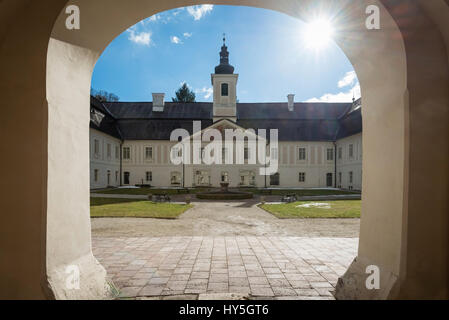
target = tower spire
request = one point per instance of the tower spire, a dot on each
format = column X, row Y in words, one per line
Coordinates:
column 224, row 67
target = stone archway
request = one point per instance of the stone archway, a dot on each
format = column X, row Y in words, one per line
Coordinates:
column 404, row 73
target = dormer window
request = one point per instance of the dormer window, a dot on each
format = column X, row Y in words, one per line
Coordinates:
column 224, row 90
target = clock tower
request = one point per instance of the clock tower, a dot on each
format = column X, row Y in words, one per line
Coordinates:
column 224, row 83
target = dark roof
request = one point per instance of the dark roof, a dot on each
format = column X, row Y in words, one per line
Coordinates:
column 156, row 129
column 312, row 111
column 102, row 120
column 172, row 110
column 296, row 130
column 307, row 122
column 350, row 124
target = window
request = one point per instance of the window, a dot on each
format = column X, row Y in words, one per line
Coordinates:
column 224, row 89
column 302, row 154
column 202, row 178
column 224, row 177
column 116, row 176
column 351, row 177
column 246, row 153
column 351, row 151
column 127, row 153
column 96, row 147
column 126, row 179
column 149, row 153
column 109, row 151
column 109, row 177
column 330, row 154
column 340, row 178
column 329, row 180
column 117, row 152
column 302, row 177
column 175, row 178
column 340, row 153
column 149, row 176
column 275, row 179
column 96, row 175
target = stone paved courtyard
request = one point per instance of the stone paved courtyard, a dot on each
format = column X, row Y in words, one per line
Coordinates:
column 253, row 267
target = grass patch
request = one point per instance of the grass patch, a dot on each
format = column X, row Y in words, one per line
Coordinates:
column 302, row 192
column 338, row 209
column 147, row 191
column 127, row 208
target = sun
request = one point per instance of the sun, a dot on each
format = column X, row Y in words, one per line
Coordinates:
column 318, row 34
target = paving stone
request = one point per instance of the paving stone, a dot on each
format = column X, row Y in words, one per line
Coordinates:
column 288, row 267
column 242, row 281
column 152, row 290
column 281, row 291
column 199, row 275
column 219, row 278
column 262, row 292
column 217, row 287
column 223, row 296
column 307, row 292
column 159, row 280
column 258, row 281
column 129, row 292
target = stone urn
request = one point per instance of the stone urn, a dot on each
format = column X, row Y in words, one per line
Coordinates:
column 224, row 186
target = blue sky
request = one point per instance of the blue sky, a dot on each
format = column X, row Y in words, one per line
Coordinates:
column 267, row 49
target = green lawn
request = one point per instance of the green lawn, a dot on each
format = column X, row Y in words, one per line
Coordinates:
column 146, row 191
column 338, row 209
column 303, row 192
column 121, row 208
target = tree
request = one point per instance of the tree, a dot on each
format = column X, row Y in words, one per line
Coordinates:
column 104, row 96
column 184, row 94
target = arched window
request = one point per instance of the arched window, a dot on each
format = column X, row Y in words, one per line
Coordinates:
column 224, row 89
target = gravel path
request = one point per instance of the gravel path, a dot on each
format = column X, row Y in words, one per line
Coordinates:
column 226, row 219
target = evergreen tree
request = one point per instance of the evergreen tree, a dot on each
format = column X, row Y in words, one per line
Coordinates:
column 185, row 95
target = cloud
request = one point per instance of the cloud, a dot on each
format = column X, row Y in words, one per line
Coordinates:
column 349, row 79
column 178, row 11
column 187, row 35
column 175, row 40
column 197, row 12
column 207, row 92
column 154, row 18
column 339, row 97
column 142, row 38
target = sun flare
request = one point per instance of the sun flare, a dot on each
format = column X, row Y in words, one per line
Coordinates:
column 318, row 34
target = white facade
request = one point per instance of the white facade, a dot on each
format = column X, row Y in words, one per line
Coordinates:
column 104, row 160
column 301, row 164
column 349, row 162
column 155, row 168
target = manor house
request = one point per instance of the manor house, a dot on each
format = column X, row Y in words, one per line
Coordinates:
column 319, row 144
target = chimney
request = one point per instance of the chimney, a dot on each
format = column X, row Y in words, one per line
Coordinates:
column 158, row 102
column 291, row 102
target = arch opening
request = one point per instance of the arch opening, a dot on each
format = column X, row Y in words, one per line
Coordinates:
column 412, row 253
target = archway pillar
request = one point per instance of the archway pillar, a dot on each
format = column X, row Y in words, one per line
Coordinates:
column 69, row 248
column 418, row 268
